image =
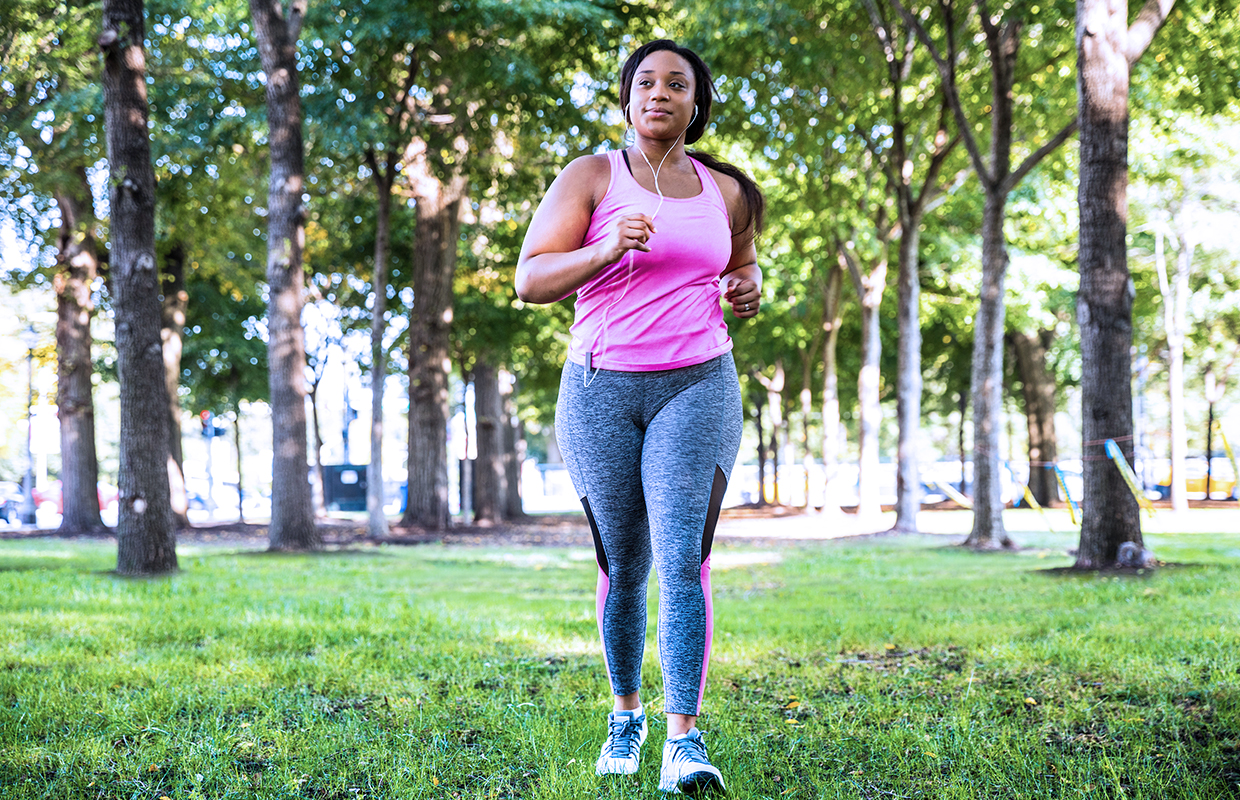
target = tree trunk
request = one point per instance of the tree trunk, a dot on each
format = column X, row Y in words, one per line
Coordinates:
column 1038, row 391
column 757, row 421
column 1175, row 321
column 318, row 475
column 1104, row 302
column 514, row 447
column 146, row 542
column 775, row 402
column 376, row 518
column 987, row 382
column 434, row 262
column 870, row 292
column 175, row 302
column 908, row 380
column 871, row 412
column 830, row 390
column 292, row 517
column 240, row 460
column 490, row 491
column 77, row 265
column 807, row 411
column 986, row 379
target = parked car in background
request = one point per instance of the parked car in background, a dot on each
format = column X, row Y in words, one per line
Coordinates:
column 1222, row 480
column 10, row 502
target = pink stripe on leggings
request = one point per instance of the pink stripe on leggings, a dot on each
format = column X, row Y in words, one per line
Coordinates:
column 710, row 628
column 600, row 600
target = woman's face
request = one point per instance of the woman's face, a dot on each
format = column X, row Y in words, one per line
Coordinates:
column 661, row 98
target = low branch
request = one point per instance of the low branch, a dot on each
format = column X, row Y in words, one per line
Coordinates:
column 1031, row 161
column 849, row 263
column 1145, row 27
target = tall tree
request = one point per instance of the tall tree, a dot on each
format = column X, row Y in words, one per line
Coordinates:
column 909, row 159
column 175, row 300
column 1107, row 47
column 146, row 542
column 450, row 88
column 50, row 133
column 292, row 520
column 384, row 176
column 1002, row 32
column 78, row 265
column 490, row 478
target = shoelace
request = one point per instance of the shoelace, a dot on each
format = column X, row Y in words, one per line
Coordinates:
column 622, row 737
column 690, row 749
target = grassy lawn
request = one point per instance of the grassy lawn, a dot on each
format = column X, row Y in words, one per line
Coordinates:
column 887, row 668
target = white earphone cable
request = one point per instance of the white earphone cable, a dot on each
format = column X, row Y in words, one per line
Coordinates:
column 600, row 340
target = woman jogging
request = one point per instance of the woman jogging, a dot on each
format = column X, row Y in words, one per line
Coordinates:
column 649, row 412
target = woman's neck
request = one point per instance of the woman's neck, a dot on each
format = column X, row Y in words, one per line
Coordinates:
column 659, row 151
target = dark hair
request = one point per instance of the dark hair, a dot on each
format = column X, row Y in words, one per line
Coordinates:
column 704, row 90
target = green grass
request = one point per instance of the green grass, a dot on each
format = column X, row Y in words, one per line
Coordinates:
column 891, row 668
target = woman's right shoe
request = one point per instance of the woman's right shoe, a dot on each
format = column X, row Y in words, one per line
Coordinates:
column 626, row 731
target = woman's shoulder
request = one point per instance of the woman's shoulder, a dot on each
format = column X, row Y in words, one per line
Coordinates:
column 592, row 166
column 730, row 188
column 588, row 175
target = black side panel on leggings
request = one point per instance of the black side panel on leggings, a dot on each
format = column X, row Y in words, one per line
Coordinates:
column 712, row 512
column 599, row 553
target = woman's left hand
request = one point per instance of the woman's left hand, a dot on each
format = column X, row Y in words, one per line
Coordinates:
column 744, row 297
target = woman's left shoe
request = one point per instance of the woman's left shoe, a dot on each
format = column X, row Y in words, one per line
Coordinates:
column 686, row 767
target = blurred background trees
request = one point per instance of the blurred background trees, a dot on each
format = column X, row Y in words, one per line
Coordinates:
column 922, row 255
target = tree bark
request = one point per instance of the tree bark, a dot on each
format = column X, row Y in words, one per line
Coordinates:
column 490, row 491
column 77, row 265
column 175, row 302
column 1038, row 392
column 292, row 518
column 1104, row 303
column 384, row 177
column 146, row 542
column 434, row 263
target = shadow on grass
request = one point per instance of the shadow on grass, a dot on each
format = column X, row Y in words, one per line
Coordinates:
column 1136, row 573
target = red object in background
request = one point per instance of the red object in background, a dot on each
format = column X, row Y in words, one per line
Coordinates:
column 51, row 493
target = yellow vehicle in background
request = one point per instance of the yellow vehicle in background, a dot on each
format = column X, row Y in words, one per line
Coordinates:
column 1222, row 480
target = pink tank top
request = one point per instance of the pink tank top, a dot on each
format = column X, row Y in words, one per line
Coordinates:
column 669, row 315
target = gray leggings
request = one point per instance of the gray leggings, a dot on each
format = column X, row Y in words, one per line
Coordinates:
column 650, row 454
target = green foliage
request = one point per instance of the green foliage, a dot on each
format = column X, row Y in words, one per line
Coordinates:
column 224, row 361
column 51, row 112
column 425, row 672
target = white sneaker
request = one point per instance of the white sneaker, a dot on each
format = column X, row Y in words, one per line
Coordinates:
column 626, row 731
column 686, row 767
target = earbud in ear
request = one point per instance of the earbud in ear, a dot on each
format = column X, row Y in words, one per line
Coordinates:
column 694, row 113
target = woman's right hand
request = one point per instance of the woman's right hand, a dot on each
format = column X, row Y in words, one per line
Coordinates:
column 631, row 232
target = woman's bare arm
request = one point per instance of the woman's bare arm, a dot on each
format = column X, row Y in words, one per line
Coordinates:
column 742, row 276
column 553, row 263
